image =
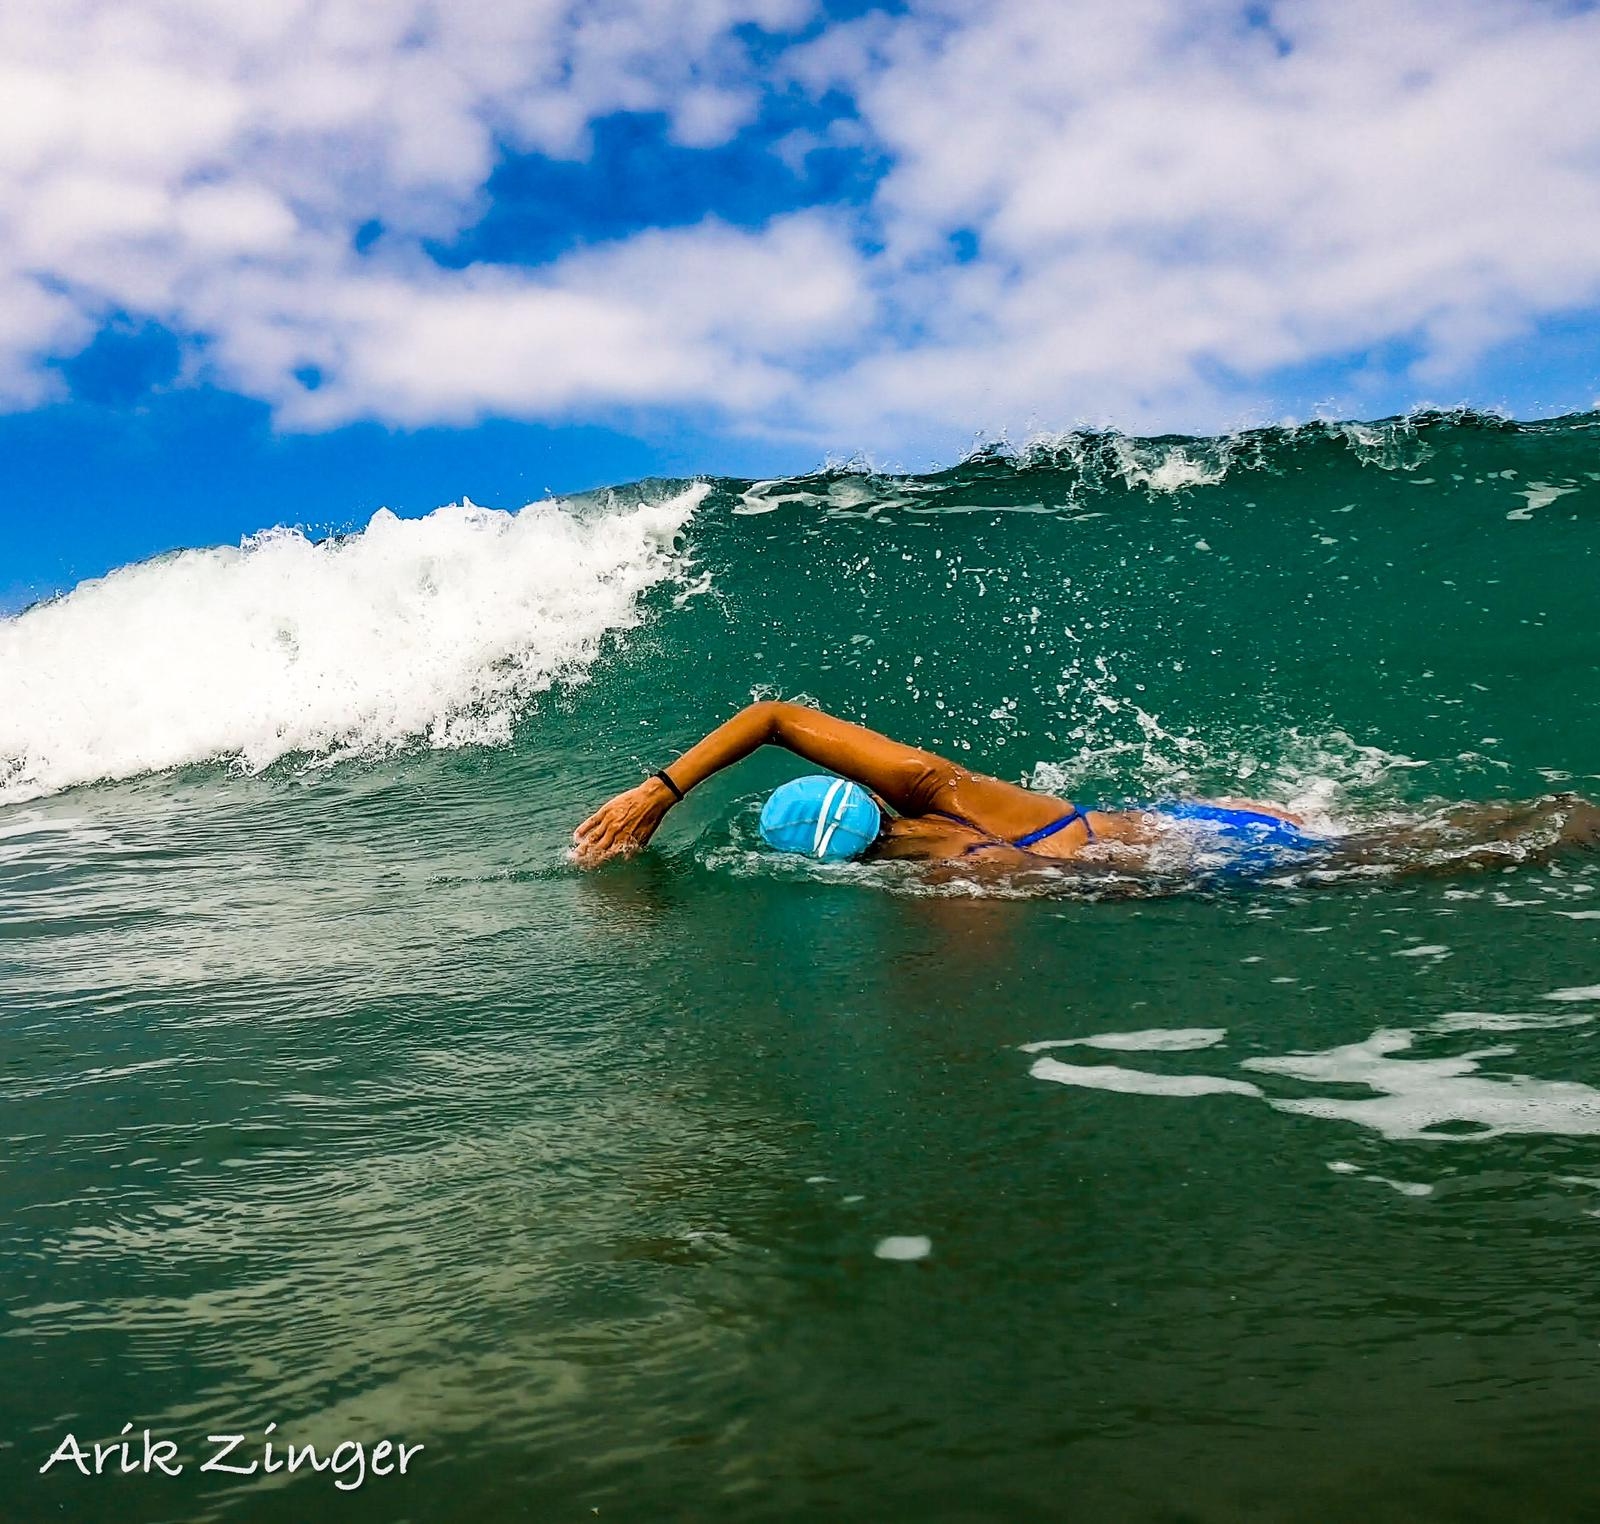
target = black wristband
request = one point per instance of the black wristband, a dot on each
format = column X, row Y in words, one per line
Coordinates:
column 677, row 793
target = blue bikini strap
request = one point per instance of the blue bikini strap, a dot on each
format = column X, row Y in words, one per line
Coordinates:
column 1076, row 813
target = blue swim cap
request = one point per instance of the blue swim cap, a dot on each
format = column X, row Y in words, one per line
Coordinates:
column 824, row 817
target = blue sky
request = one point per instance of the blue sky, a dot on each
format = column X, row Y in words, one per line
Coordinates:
column 290, row 264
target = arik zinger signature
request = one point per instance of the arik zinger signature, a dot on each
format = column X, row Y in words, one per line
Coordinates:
column 348, row 1461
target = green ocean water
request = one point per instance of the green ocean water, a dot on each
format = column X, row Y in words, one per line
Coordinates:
column 336, row 1099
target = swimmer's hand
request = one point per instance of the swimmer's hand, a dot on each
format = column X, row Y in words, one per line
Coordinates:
column 622, row 826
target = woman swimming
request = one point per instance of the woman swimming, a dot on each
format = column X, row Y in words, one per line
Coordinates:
column 909, row 803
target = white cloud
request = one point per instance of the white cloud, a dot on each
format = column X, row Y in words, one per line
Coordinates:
column 1168, row 204
column 1159, row 195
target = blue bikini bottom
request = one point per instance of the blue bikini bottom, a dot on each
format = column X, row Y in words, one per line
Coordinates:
column 1249, row 839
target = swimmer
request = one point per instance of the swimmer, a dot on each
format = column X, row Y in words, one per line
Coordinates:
column 892, row 801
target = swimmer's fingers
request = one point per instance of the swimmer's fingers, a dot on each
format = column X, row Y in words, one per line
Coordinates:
column 605, row 820
column 595, row 839
column 619, row 828
column 595, row 850
column 592, row 825
column 588, row 851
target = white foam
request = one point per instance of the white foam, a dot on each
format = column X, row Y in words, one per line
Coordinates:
column 1440, row 1099
column 1405, row 1187
column 436, row 630
column 1157, row 1040
column 1136, row 1081
column 908, row 1246
column 761, row 498
column 1577, row 992
column 1416, row 1097
column 1161, row 467
column 1514, row 1021
column 1537, row 495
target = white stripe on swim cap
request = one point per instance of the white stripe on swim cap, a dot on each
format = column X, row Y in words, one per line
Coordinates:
column 819, row 842
column 845, row 802
column 839, row 815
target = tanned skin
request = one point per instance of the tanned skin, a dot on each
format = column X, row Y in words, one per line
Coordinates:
column 916, row 785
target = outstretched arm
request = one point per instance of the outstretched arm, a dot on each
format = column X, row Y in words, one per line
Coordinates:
column 904, row 776
column 909, row 780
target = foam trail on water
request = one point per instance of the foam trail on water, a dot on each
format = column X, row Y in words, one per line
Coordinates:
column 1438, row 1099
column 436, row 630
column 1417, row 1097
column 1157, row 1040
column 1138, row 1081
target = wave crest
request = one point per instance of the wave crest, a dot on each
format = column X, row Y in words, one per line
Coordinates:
column 436, row 630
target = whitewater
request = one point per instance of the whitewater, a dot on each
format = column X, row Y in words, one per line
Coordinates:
column 438, row 630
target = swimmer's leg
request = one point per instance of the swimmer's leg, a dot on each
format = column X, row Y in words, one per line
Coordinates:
column 1568, row 820
column 1480, row 836
column 1580, row 825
